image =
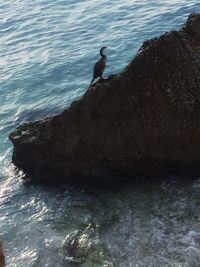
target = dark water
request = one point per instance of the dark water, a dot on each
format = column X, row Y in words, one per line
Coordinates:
column 47, row 53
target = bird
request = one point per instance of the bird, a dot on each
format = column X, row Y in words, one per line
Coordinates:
column 100, row 65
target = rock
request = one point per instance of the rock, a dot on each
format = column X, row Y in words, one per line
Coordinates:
column 145, row 118
column 78, row 244
column 2, row 257
column 84, row 247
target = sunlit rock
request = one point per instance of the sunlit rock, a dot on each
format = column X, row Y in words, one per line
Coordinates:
column 2, row 257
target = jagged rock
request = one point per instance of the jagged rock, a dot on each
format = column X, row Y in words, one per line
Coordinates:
column 143, row 118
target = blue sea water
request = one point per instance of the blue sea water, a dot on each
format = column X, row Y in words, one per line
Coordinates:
column 47, row 52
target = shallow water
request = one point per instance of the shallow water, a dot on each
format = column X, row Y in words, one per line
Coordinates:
column 46, row 59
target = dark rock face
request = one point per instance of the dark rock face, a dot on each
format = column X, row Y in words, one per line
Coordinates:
column 143, row 118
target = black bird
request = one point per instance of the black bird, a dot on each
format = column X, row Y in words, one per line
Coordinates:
column 99, row 66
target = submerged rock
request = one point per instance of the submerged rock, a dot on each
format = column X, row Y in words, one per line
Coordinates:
column 142, row 119
column 84, row 247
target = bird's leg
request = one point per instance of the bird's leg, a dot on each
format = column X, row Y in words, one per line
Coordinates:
column 102, row 78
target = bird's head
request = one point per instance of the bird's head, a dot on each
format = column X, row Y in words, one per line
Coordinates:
column 102, row 50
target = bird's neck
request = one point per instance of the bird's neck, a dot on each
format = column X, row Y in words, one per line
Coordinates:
column 102, row 55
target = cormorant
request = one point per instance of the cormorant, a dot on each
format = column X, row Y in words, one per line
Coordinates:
column 99, row 66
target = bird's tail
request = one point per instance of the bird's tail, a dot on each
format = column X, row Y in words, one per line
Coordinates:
column 92, row 81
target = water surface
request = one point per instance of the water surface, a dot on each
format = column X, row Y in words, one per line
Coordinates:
column 47, row 53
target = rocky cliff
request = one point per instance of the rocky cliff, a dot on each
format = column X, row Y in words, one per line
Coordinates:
column 142, row 119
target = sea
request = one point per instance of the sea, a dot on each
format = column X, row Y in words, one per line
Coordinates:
column 47, row 53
